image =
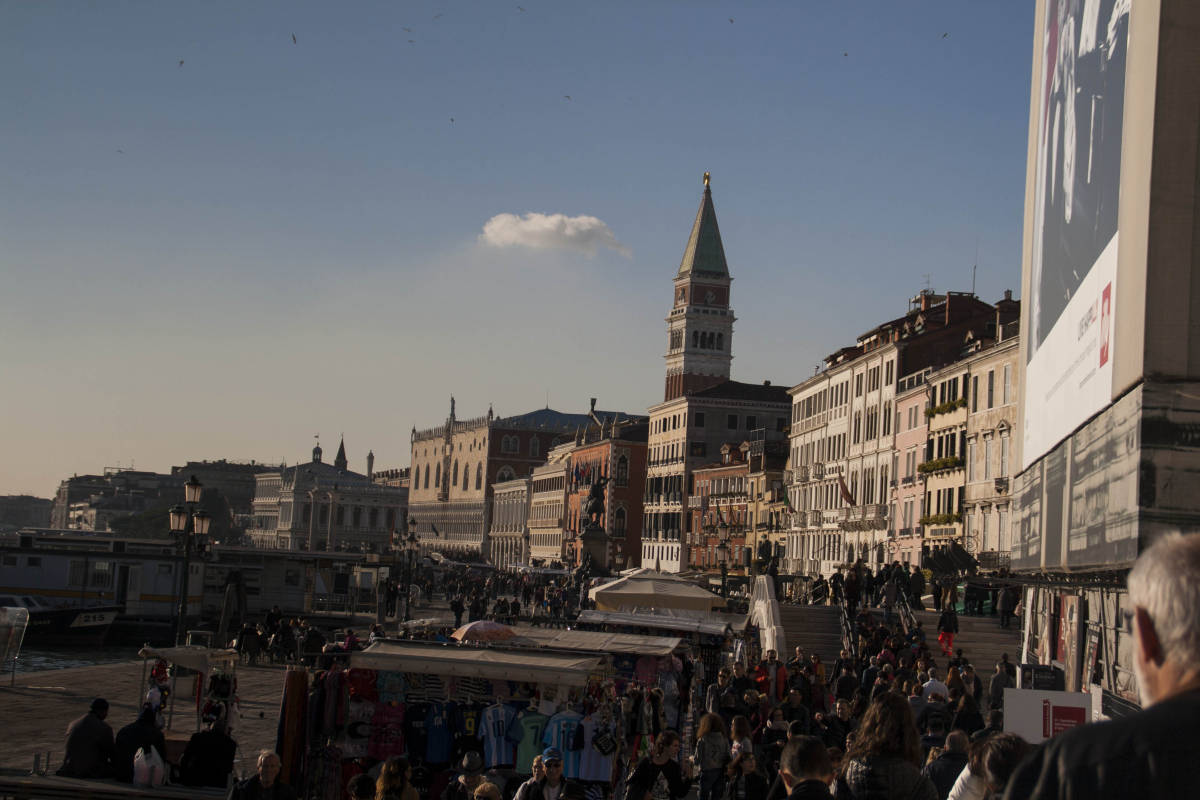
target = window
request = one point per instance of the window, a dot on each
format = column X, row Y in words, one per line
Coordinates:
column 987, row 518
column 781, row 424
column 991, row 387
column 454, row 480
column 699, row 419
column 887, row 375
column 751, row 423
column 623, row 471
column 33, row 561
column 467, row 476
column 373, row 518
column 699, row 449
column 478, row 477
column 970, row 461
column 858, row 385
column 974, row 394
column 426, row 476
column 720, row 341
column 437, row 477
column 1007, row 395
column 987, row 458
column 857, row 427
column 535, row 447
column 1003, row 456
column 505, row 474
column 731, row 422
column 695, row 339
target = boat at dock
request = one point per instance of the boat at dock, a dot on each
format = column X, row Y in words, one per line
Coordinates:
column 49, row 624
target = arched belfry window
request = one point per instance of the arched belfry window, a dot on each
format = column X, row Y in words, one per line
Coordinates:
column 720, row 341
column 695, row 338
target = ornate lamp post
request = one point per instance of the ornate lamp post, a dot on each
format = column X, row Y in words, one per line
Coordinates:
column 201, row 519
column 723, row 561
column 411, row 547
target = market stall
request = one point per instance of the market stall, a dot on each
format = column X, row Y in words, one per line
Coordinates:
column 649, row 589
column 435, row 702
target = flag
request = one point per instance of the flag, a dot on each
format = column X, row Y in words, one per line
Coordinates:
column 787, row 502
column 845, row 492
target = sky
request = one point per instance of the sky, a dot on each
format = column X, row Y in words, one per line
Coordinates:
column 217, row 241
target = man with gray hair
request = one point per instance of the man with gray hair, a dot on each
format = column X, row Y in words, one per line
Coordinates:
column 1151, row 753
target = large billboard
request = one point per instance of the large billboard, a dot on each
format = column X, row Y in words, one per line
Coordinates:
column 1072, row 291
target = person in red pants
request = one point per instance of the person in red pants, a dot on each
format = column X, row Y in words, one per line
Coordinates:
column 947, row 627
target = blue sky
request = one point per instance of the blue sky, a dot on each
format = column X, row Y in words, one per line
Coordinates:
column 277, row 239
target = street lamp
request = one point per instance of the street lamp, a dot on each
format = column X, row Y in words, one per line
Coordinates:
column 723, row 560
column 411, row 546
column 178, row 519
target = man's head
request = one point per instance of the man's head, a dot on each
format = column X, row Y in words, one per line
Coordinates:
column 842, row 709
column 804, row 758
column 739, row 669
column 268, row 768
column 538, row 768
column 723, row 677
column 361, row 787
column 100, row 707
column 553, row 760
column 1164, row 598
column 795, row 728
column 995, row 719
column 957, row 742
column 487, row 791
column 799, row 653
column 772, row 656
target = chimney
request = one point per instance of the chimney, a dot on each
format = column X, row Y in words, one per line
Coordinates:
column 370, row 465
column 947, row 308
column 766, row 383
column 1008, row 294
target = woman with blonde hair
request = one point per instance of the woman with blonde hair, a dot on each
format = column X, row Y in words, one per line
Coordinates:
column 393, row 782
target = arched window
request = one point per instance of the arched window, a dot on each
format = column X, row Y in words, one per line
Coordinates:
column 622, row 471
column 534, row 446
column 695, row 338
column 619, row 522
column 426, row 476
column 437, row 477
column 478, row 477
column 505, row 474
column 454, row 479
column 466, row 477
column 720, row 341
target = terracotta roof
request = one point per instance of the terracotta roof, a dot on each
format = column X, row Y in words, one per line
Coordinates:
column 736, row 390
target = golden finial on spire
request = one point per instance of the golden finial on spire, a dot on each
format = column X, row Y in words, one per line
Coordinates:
column 706, row 180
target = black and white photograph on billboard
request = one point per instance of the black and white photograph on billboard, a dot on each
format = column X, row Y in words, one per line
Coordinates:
column 1076, row 200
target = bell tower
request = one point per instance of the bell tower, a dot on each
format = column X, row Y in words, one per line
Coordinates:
column 700, row 325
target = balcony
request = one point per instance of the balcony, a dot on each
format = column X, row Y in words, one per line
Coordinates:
column 939, row 465
column 694, row 501
column 818, row 471
column 1001, row 485
column 801, row 473
column 816, row 519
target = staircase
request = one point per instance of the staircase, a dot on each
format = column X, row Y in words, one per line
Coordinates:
column 816, row 629
column 981, row 638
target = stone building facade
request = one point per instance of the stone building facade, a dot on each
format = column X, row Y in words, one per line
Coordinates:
column 510, row 523
column 326, row 507
column 908, row 491
column 616, row 450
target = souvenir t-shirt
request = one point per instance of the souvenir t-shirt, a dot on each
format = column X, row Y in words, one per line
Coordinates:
column 357, row 733
column 592, row 765
column 387, row 731
column 498, row 751
column 560, row 733
column 439, row 738
column 530, row 725
column 415, row 735
column 467, row 725
column 391, row 687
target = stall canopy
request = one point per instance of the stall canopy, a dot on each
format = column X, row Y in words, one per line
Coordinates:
column 664, row 622
column 200, row 659
column 477, row 662
column 649, row 589
column 599, row 641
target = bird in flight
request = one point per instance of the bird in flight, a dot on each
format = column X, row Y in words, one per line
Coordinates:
column 407, row 30
column 520, row 9
column 845, row 54
column 181, row 62
column 412, row 41
column 119, row 150
column 567, row 96
column 945, row 36
column 452, row 120
column 435, row 16
column 731, row 20
column 293, row 38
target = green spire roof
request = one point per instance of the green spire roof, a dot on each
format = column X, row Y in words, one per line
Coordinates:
column 704, row 252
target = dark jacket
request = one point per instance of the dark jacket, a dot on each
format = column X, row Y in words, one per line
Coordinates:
column 252, row 789
column 756, row 786
column 944, row 771
column 948, row 622
column 143, row 732
column 1148, row 754
column 570, row 791
column 208, row 759
column 810, row 790
column 89, row 748
column 884, row 778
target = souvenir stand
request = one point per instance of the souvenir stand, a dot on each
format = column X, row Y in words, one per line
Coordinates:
column 433, row 702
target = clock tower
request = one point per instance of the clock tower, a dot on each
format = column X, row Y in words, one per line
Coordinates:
column 700, row 325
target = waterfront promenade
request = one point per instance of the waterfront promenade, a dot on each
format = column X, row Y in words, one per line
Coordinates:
column 35, row 712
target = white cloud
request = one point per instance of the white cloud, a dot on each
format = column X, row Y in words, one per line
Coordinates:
column 582, row 234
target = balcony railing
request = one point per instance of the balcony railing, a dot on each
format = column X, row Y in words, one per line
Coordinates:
column 818, row 471
column 801, row 473
column 1001, row 485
